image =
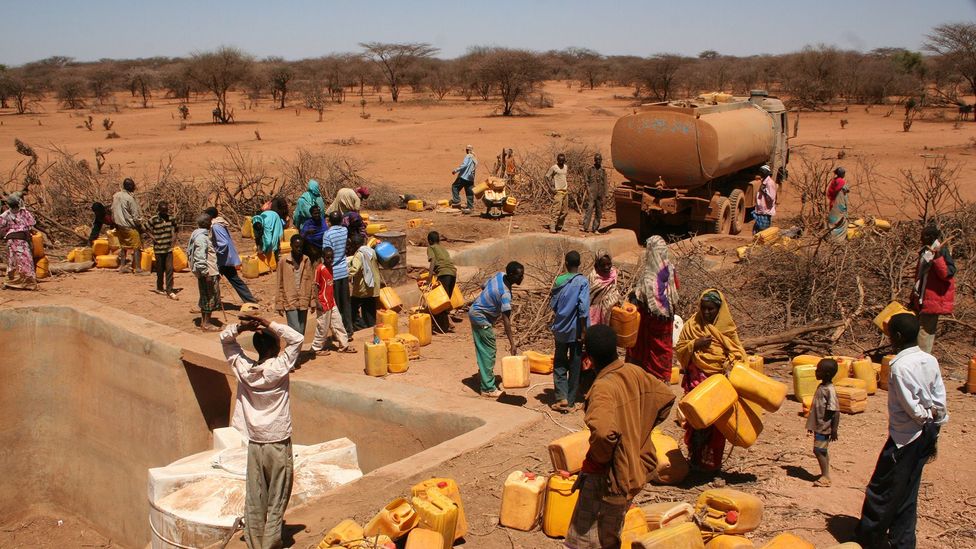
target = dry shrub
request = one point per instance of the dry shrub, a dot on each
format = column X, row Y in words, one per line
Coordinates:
column 240, row 184
column 530, row 185
column 185, row 197
column 333, row 172
column 69, row 188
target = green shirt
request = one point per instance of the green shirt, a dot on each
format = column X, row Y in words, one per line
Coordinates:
column 441, row 258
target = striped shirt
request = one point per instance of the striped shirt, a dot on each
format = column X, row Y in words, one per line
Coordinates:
column 335, row 238
column 163, row 231
column 495, row 299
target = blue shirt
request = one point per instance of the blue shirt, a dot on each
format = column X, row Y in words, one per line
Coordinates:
column 335, row 238
column 494, row 300
column 467, row 167
column 226, row 251
column 570, row 302
column 314, row 233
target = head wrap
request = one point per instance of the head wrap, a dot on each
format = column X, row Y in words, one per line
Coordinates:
column 712, row 296
column 362, row 191
column 656, row 287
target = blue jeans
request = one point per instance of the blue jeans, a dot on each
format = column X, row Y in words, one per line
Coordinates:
column 296, row 319
column 763, row 222
column 468, row 187
column 566, row 371
column 230, row 273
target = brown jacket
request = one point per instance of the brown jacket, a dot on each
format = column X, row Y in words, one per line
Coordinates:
column 622, row 408
column 292, row 297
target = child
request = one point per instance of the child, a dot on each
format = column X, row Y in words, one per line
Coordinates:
column 296, row 294
column 329, row 317
column 824, row 417
column 441, row 266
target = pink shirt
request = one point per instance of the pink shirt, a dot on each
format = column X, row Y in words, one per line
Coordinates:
column 766, row 197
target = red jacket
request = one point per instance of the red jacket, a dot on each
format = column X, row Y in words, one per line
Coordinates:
column 940, row 289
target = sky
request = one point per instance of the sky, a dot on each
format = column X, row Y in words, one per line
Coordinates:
column 297, row 29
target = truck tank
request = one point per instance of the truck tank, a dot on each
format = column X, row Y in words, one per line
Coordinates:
column 688, row 146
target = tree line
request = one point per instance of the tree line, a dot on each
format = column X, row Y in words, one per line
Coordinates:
column 940, row 74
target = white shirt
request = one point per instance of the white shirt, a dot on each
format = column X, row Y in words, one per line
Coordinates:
column 558, row 176
column 916, row 395
column 262, row 413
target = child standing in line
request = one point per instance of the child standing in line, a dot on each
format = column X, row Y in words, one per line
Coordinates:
column 296, row 294
column 824, row 417
column 329, row 319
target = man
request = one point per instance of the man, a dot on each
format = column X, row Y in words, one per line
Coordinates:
column 365, row 282
column 596, row 186
column 228, row 260
column 494, row 302
column 329, row 322
column 203, row 264
column 262, row 414
column 556, row 176
column 570, row 304
column 765, row 201
column 622, row 408
column 127, row 217
column 162, row 230
column 916, row 411
column 303, row 208
column 336, row 238
column 934, row 291
column 465, row 180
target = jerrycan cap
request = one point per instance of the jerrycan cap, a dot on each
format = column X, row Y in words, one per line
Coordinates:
column 564, row 474
column 442, row 484
column 732, row 517
column 530, row 475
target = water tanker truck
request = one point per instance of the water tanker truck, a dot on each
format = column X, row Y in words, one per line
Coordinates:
column 695, row 163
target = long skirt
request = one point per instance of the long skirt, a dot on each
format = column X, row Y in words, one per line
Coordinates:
column 20, row 266
column 655, row 347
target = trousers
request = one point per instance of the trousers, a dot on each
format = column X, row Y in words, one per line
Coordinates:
column 236, row 282
column 329, row 324
column 927, row 326
column 468, row 187
column 560, row 204
column 340, row 288
column 566, row 371
column 594, row 211
column 268, row 487
column 485, row 347
column 164, row 272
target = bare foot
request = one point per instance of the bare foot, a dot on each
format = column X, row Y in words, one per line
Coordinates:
column 822, row 482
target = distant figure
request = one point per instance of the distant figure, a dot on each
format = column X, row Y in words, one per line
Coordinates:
column 569, row 300
column 494, row 302
column 916, row 413
column 622, row 408
column 128, row 224
column 824, row 417
column 303, row 208
column 262, row 414
column 296, row 294
column 465, row 180
column 596, row 187
column 765, row 201
column 162, row 230
column 934, row 291
column 228, row 259
column 365, row 282
column 216, row 115
column 16, row 224
column 556, row 176
column 505, row 165
column 837, row 195
column 102, row 218
column 202, row 255
column 329, row 322
column 336, row 237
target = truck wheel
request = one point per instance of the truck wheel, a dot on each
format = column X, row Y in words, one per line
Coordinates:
column 737, row 204
column 723, row 223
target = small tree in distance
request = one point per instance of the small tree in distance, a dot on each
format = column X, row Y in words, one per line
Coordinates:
column 279, row 76
column 141, row 82
column 956, row 43
column 394, row 59
column 515, row 74
column 218, row 72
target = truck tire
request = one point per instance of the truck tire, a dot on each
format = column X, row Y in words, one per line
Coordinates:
column 723, row 223
column 737, row 205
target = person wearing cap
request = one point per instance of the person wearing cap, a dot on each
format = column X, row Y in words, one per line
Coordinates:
column 837, row 193
column 465, row 180
column 765, row 201
column 596, row 186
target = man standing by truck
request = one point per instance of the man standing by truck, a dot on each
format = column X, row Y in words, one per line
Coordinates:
column 596, row 187
column 765, row 201
column 560, row 200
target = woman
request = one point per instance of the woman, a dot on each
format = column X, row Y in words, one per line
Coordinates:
column 309, row 199
column 314, row 228
column 655, row 295
column 268, row 228
column 708, row 345
column 16, row 224
column 837, row 192
column 604, row 293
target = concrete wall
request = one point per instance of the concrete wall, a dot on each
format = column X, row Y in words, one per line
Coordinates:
column 526, row 248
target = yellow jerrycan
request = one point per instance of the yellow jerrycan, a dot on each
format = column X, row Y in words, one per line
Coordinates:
column 522, row 500
column 707, row 402
column 729, row 511
column 449, row 488
column 420, row 328
column 437, row 513
column 393, row 521
column 560, row 502
column 682, row 536
column 515, row 372
column 672, row 467
column 567, row 453
column 756, row 387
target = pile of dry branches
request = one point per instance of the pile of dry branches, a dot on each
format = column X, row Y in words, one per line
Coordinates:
column 530, row 185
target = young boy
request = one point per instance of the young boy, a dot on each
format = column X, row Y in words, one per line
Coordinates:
column 329, row 318
column 824, row 417
column 296, row 294
column 162, row 229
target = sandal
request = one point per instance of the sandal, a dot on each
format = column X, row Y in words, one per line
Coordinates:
column 822, row 483
column 348, row 349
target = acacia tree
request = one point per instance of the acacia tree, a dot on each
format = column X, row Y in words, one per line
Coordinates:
column 660, row 75
column 513, row 73
column 23, row 91
column 218, row 72
column 101, row 81
column 394, row 59
column 956, row 44
column 141, row 82
column 71, row 92
column 279, row 76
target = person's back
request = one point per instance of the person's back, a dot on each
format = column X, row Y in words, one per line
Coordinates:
column 336, row 237
column 125, row 209
column 915, row 388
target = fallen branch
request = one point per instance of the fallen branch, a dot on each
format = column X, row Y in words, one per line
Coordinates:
column 789, row 335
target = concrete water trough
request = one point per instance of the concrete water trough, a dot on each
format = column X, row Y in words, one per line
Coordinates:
column 94, row 397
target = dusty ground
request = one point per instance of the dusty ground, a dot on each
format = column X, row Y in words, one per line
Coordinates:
column 415, row 145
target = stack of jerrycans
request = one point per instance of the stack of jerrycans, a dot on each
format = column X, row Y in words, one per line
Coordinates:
column 438, row 502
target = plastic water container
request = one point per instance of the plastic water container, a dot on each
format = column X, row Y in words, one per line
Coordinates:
column 422, row 538
column 420, row 328
column 863, row 369
column 625, row 321
column 387, row 255
column 343, row 533
column 707, row 402
column 539, row 363
column 567, row 453
column 410, row 343
column 449, row 488
column 672, row 467
column 247, row 228
column 266, row 263
column 389, row 318
column 100, row 247
column 892, row 309
column 394, row 520
column 767, row 236
column 742, row 424
column 560, row 502
column 726, row 541
column 42, row 269
column 970, row 379
column 375, row 228
column 511, row 203
column 667, row 514
column 522, row 500
column 682, row 536
column 390, row 300
column 396, row 357
column 757, row 387
column 457, row 297
column 729, row 511
column 415, row 222
column 799, row 360
column 81, row 255
column 886, row 371
column 515, row 372
column 439, row 513
column 113, row 240
column 383, row 332
column 853, row 383
column 376, row 365
column 844, row 364
column 757, row 363
column 250, row 267
column 635, row 526
column 443, row 203
column 146, row 259
column 415, row 205
column 107, row 261
column 787, row 540
column 675, row 375
column 37, row 244
column 180, row 261
column 805, row 381
column 479, row 189
column 437, row 300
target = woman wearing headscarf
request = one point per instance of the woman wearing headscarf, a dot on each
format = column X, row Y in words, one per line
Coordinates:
column 655, row 295
column 708, row 345
column 837, row 192
column 604, row 293
column 303, row 208
column 348, row 200
column 16, row 224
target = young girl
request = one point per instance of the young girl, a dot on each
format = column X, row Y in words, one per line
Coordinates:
column 824, row 417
